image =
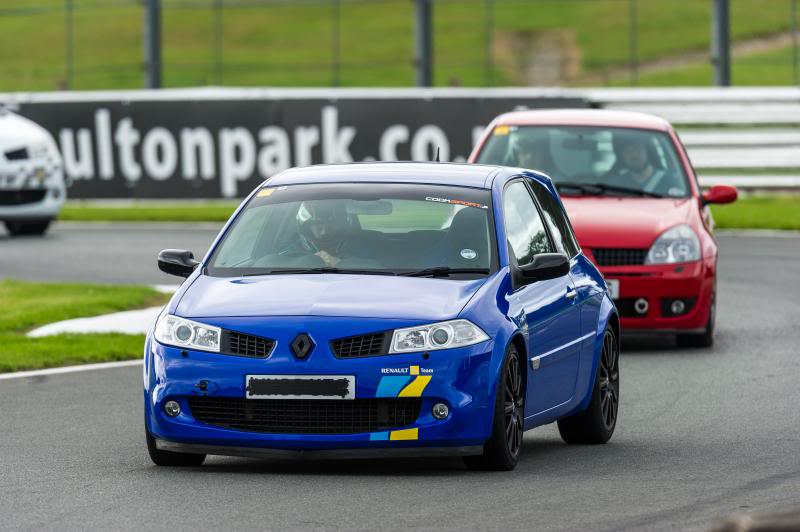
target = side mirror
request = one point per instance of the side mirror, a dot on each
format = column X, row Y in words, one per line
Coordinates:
column 543, row 266
column 177, row 262
column 720, row 194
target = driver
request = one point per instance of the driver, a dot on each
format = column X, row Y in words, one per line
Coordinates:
column 532, row 152
column 634, row 168
column 322, row 225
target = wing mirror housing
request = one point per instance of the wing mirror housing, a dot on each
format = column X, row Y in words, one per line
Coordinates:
column 543, row 266
column 720, row 194
column 177, row 262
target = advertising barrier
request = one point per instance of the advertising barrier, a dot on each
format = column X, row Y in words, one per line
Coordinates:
column 220, row 143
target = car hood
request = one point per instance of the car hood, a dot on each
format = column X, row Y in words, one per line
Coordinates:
column 19, row 132
column 622, row 221
column 374, row 296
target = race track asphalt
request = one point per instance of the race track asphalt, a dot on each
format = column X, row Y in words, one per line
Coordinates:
column 702, row 433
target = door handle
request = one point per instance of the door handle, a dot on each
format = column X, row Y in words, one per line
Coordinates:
column 571, row 293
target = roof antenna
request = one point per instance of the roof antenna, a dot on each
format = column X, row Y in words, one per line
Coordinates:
column 437, row 154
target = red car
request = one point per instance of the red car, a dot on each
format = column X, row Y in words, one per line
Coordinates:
column 636, row 207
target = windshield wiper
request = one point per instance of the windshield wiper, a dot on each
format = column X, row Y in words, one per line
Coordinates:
column 599, row 189
column 322, row 269
column 444, row 271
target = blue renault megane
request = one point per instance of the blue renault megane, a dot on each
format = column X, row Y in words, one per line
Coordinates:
column 386, row 309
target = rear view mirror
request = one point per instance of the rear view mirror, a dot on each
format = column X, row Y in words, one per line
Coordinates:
column 720, row 194
column 377, row 207
column 543, row 266
column 177, row 262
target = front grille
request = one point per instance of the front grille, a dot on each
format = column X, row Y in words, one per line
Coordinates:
column 17, row 155
column 365, row 345
column 306, row 416
column 21, row 197
column 245, row 345
column 619, row 256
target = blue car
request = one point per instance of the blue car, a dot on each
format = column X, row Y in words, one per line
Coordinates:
column 384, row 309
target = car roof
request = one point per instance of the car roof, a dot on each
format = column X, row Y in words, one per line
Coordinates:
column 583, row 117
column 456, row 174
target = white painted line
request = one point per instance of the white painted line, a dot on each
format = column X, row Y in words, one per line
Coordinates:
column 126, row 322
column 69, row 369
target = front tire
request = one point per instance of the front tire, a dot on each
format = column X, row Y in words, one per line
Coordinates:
column 596, row 424
column 169, row 458
column 31, row 227
column 501, row 450
column 706, row 338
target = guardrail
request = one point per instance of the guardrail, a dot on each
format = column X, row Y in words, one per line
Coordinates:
column 749, row 137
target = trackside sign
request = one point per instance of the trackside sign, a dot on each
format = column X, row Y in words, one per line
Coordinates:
column 222, row 143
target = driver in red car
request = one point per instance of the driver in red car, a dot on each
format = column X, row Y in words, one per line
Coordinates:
column 634, row 168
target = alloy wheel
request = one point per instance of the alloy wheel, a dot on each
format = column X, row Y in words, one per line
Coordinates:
column 512, row 404
column 609, row 381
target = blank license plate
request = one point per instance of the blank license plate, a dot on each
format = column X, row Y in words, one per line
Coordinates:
column 300, row 387
column 613, row 288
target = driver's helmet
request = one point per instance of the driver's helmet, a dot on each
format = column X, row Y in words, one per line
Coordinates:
column 622, row 139
column 322, row 223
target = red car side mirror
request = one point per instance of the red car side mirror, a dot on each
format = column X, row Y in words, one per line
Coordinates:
column 720, row 194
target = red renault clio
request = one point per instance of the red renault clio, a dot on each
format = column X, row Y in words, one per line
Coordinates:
column 636, row 207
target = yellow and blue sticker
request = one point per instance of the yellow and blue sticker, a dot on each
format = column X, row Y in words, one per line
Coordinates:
column 412, row 384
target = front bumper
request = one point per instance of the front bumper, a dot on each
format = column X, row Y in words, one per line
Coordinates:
column 459, row 378
column 659, row 286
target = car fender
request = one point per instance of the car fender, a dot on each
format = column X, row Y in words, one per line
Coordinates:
column 608, row 312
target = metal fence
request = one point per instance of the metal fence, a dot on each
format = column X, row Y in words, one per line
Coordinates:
column 99, row 44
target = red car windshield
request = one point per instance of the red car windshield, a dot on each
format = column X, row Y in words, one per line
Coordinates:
column 592, row 160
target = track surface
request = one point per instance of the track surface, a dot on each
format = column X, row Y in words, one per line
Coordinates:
column 702, row 433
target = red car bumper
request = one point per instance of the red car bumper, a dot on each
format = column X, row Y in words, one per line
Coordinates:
column 660, row 286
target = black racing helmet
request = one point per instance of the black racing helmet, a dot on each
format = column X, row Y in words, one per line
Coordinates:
column 322, row 222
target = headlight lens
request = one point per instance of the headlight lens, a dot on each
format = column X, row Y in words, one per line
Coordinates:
column 677, row 244
column 39, row 150
column 443, row 335
column 179, row 332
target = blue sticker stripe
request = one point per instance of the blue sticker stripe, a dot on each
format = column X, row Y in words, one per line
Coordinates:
column 391, row 386
column 379, row 436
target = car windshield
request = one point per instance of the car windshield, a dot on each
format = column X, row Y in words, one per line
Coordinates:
column 365, row 228
column 592, row 160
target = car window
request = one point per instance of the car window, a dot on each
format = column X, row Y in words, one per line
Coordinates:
column 524, row 227
column 556, row 219
column 388, row 228
column 639, row 160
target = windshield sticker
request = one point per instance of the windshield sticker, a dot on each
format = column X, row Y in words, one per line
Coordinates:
column 457, row 202
column 264, row 192
column 469, row 254
column 501, row 130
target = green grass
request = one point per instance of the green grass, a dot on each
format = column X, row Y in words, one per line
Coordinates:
column 754, row 212
column 28, row 305
column 292, row 43
column 759, row 212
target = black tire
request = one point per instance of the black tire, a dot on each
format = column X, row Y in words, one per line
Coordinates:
column 501, row 450
column 169, row 458
column 706, row 338
column 596, row 424
column 31, row 227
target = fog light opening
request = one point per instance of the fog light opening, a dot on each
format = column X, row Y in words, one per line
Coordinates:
column 172, row 408
column 440, row 411
column 641, row 306
column 678, row 306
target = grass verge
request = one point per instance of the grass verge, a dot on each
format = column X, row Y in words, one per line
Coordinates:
column 28, row 305
column 750, row 212
column 759, row 212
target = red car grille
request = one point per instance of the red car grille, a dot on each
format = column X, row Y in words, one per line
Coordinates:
column 619, row 256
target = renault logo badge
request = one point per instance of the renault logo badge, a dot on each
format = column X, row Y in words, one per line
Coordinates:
column 301, row 346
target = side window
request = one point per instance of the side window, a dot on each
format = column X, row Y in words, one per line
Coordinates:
column 556, row 219
column 524, row 227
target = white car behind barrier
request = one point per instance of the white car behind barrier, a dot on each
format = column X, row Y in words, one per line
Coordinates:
column 32, row 187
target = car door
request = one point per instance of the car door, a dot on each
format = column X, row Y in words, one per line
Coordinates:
column 589, row 293
column 550, row 311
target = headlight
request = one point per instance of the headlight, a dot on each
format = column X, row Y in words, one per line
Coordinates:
column 443, row 335
column 178, row 332
column 39, row 150
column 677, row 244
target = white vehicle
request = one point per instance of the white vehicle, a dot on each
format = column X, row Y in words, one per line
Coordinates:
column 32, row 188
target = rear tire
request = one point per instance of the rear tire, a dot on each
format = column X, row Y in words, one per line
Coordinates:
column 31, row 227
column 596, row 424
column 501, row 450
column 169, row 458
column 706, row 338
